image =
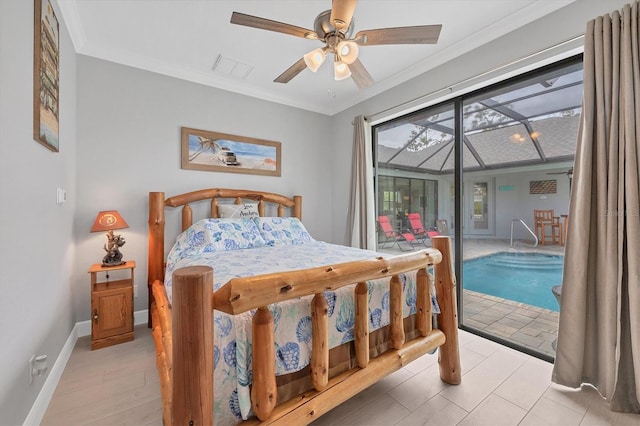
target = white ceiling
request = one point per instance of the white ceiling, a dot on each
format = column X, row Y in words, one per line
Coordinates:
column 183, row 39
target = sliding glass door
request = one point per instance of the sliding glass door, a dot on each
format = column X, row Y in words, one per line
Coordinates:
column 487, row 160
column 398, row 196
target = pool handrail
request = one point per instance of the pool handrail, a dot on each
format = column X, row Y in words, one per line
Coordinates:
column 535, row 237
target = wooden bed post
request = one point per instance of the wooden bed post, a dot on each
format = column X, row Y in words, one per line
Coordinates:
column 264, row 392
column 297, row 207
column 320, row 345
column 361, row 330
column 192, row 325
column 187, row 217
column 423, row 302
column 155, row 269
column 395, row 312
column 449, row 354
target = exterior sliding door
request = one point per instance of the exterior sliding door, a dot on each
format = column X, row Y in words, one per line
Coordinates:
column 399, row 196
column 486, row 161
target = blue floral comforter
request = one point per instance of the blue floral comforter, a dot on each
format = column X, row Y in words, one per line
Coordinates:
column 232, row 340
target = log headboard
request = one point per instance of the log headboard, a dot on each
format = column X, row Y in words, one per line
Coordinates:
column 157, row 205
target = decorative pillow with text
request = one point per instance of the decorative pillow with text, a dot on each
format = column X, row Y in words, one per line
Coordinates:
column 238, row 210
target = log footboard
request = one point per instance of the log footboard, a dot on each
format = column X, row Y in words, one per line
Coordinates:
column 185, row 355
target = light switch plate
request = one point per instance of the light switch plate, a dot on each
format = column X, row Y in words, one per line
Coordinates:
column 61, row 196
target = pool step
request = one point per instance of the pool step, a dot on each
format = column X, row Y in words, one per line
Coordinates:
column 527, row 266
column 526, row 261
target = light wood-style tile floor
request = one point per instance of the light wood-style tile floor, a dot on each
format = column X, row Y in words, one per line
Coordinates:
column 119, row 386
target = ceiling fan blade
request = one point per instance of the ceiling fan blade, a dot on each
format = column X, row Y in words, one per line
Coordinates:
column 422, row 34
column 342, row 13
column 267, row 24
column 360, row 75
column 291, row 72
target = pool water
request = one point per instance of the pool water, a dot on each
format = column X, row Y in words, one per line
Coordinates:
column 521, row 277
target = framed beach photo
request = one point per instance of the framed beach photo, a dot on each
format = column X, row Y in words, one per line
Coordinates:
column 221, row 152
column 46, row 75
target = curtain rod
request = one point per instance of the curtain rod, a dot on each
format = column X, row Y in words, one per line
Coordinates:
column 450, row 87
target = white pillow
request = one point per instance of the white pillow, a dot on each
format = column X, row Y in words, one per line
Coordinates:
column 238, row 210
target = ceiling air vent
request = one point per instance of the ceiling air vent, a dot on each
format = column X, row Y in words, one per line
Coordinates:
column 232, row 68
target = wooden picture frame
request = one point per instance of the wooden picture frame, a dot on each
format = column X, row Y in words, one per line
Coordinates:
column 46, row 75
column 221, row 152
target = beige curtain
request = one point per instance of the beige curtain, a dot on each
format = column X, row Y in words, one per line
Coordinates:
column 599, row 329
column 360, row 217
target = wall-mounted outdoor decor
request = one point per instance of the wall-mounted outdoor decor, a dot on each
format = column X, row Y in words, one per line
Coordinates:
column 46, row 77
column 220, row 152
column 543, row 186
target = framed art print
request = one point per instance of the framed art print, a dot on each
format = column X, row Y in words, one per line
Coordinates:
column 221, row 152
column 46, row 75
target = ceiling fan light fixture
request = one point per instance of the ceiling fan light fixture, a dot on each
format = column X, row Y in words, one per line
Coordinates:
column 341, row 70
column 348, row 51
column 334, row 27
column 314, row 59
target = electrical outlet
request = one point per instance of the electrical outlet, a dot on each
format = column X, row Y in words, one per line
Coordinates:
column 37, row 366
column 135, row 291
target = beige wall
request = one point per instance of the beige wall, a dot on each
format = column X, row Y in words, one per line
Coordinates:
column 129, row 124
column 37, row 250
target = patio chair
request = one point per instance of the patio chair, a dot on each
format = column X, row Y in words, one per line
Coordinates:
column 544, row 218
column 419, row 231
column 442, row 226
column 394, row 237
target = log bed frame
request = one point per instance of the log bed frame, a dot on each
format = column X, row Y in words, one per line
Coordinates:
column 183, row 332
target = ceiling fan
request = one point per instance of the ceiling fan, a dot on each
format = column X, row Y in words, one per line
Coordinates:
column 568, row 173
column 334, row 28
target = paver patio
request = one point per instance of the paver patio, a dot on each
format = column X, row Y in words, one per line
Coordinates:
column 530, row 326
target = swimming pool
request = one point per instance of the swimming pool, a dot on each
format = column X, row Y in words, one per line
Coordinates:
column 521, row 277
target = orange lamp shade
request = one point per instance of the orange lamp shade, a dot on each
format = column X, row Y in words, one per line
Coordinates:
column 108, row 220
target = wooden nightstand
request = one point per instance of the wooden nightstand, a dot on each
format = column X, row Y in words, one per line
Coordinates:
column 111, row 306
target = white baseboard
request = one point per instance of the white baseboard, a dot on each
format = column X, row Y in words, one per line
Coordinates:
column 39, row 407
column 80, row 329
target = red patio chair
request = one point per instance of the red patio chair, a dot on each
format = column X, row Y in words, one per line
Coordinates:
column 418, row 230
column 394, row 237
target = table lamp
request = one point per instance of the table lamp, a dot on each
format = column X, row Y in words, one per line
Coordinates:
column 109, row 221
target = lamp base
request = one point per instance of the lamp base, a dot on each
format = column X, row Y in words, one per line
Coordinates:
column 113, row 256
